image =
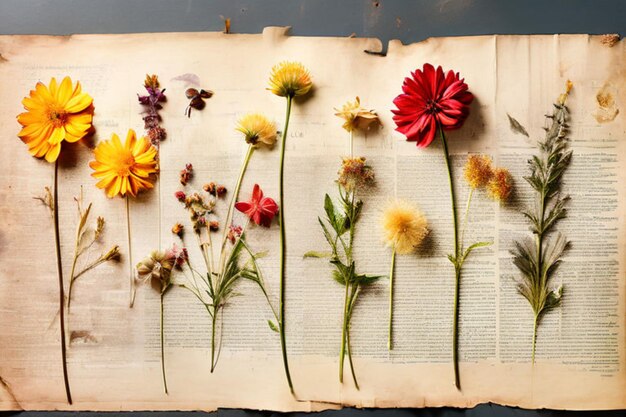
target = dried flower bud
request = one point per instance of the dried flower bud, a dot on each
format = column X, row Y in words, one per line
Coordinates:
column 214, row 225
column 99, row 228
column 177, row 256
column 478, row 171
column 180, row 196
column 186, row 174
column 233, row 233
column 156, row 134
column 178, row 229
column 500, row 185
column 220, row 190
column 157, row 268
column 210, row 187
column 152, row 81
column 112, row 254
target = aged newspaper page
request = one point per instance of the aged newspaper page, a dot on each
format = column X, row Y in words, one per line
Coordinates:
column 114, row 354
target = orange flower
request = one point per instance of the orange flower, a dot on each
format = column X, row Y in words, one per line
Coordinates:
column 126, row 168
column 54, row 113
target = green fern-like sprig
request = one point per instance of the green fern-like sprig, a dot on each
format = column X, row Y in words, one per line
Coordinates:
column 539, row 257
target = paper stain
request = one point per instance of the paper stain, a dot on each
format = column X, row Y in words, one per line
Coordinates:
column 3, row 59
column 82, row 337
column 610, row 39
column 188, row 79
column 607, row 109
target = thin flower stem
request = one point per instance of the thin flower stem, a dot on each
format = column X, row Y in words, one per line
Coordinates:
column 457, row 266
column 356, row 383
column 344, row 331
column 534, row 340
column 231, row 207
column 351, row 144
column 466, row 217
column 213, row 324
column 283, row 244
column 72, row 279
column 391, row 273
column 133, row 293
column 163, row 347
column 57, row 244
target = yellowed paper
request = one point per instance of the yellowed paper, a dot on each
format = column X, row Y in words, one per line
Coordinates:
column 114, row 356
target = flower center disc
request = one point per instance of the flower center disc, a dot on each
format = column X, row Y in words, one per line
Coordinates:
column 57, row 117
column 124, row 164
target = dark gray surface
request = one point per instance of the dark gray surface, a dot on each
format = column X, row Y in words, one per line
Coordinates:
column 409, row 21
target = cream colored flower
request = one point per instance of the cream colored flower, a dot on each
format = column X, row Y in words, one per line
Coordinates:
column 290, row 79
column 404, row 226
column 257, row 128
column 355, row 116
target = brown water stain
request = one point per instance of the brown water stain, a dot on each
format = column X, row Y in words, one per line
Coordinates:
column 607, row 109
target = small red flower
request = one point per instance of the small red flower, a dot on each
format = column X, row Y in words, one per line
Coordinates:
column 431, row 99
column 180, row 196
column 261, row 210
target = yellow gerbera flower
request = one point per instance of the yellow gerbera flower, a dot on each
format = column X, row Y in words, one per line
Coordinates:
column 126, row 168
column 257, row 128
column 54, row 113
column 289, row 79
column 404, row 226
column 355, row 116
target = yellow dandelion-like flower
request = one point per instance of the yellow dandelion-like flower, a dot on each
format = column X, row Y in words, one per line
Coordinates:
column 54, row 113
column 501, row 185
column 125, row 168
column 257, row 128
column 289, row 79
column 355, row 116
column 478, row 171
column 404, row 226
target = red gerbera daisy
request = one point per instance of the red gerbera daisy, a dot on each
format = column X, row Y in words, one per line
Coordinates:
column 431, row 99
column 261, row 210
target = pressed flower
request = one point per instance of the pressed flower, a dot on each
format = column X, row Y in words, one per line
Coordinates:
column 257, row 129
column 124, row 168
column 287, row 79
column 404, row 225
column 431, row 100
column 478, row 171
column 290, row 79
column 178, row 256
column 404, row 229
column 178, row 229
column 54, row 113
column 261, row 210
column 355, row 174
column 157, row 269
column 186, row 174
column 500, row 185
column 355, row 116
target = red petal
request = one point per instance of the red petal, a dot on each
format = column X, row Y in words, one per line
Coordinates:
column 257, row 194
column 243, row 206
